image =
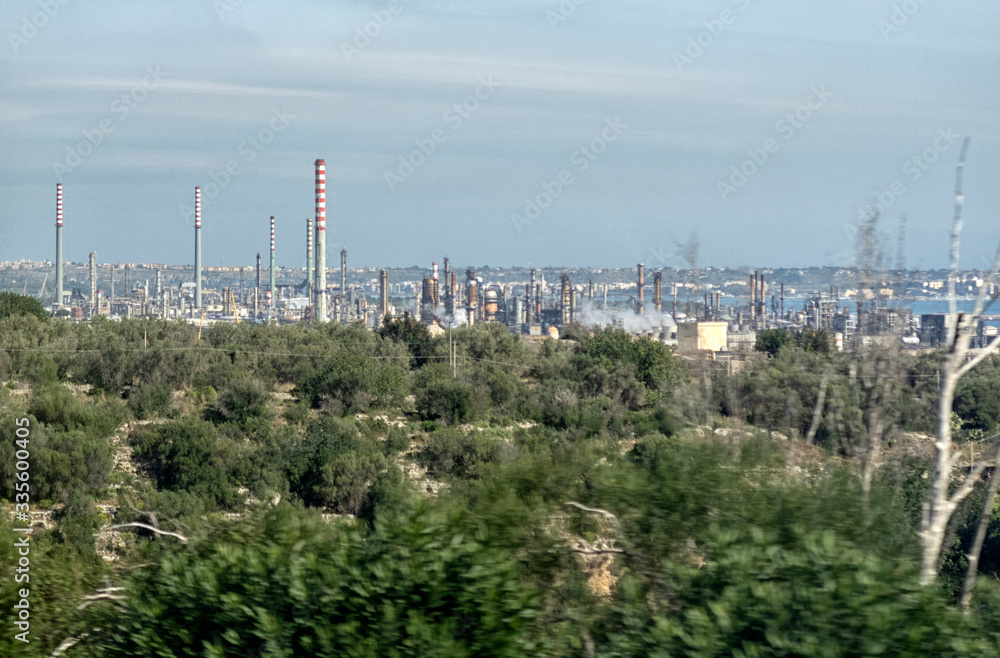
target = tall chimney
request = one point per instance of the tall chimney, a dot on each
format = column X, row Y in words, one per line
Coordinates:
column 258, row 274
column 564, row 299
column 309, row 258
column 159, row 283
column 782, row 288
column 59, row 245
column 753, row 295
column 343, row 285
column 383, row 293
column 642, row 286
column 674, row 312
column 590, row 291
column 320, row 304
column 274, row 290
column 763, row 296
column 448, row 306
column 197, row 247
column 93, row 284
column 533, row 302
column 658, row 291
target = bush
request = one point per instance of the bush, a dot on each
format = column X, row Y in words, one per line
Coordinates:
column 816, row 597
column 288, row 584
column 186, row 455
column 240, row 401
column 439, row 396
column 148, row 400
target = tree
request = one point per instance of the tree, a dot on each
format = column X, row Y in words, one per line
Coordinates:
column 941, row 500
column 13, row 304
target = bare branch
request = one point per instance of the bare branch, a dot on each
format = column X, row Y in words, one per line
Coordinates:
column 972, row 569
column 106, row 594
column 970, row 482
column 69, row 643
column 818, row 410
column 978, row 310
column 985, row 353
column 144, row 526
column 593, row 510
column 956, row 229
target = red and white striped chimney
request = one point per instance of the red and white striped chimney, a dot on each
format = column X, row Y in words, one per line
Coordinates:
column 320, row 304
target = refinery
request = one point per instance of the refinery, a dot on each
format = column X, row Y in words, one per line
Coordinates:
column 719, row 319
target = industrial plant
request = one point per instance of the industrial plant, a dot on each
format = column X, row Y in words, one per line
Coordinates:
column 720, row 320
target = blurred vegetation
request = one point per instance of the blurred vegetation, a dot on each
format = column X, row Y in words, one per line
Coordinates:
column 356, row 493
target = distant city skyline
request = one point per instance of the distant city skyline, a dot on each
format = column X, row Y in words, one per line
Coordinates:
column 532, row 132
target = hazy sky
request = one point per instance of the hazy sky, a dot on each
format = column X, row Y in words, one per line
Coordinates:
column 439, row 119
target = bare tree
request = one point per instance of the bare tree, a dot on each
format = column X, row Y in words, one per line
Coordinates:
column 984, row 521
column 959, row 360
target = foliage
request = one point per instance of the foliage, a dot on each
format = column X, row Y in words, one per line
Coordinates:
column 12, row 303
column 187, row 455
column 815, row 596
column 286, row 583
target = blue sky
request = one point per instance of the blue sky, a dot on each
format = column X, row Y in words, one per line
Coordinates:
column 643, row 125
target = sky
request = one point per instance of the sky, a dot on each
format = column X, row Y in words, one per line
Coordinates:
column 600, row 133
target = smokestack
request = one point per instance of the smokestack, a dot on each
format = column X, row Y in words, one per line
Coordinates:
column 590, row 291
column 538, row 303
column 572, row 305
column 448, row 305
column 93, row 284
column 197, row 247
column 674, row 312
column 320, row 304
column 309, row 258
column 564, row 299
column 763, row 296
column 59, row 245
column 658, row 291
column 159, row 285
column 642, row 285
column 257, row 288
column 383, row 293
column 343, row 285
column 782, row 288
column 274, row 291
column 532, row 302
column 753, row 295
